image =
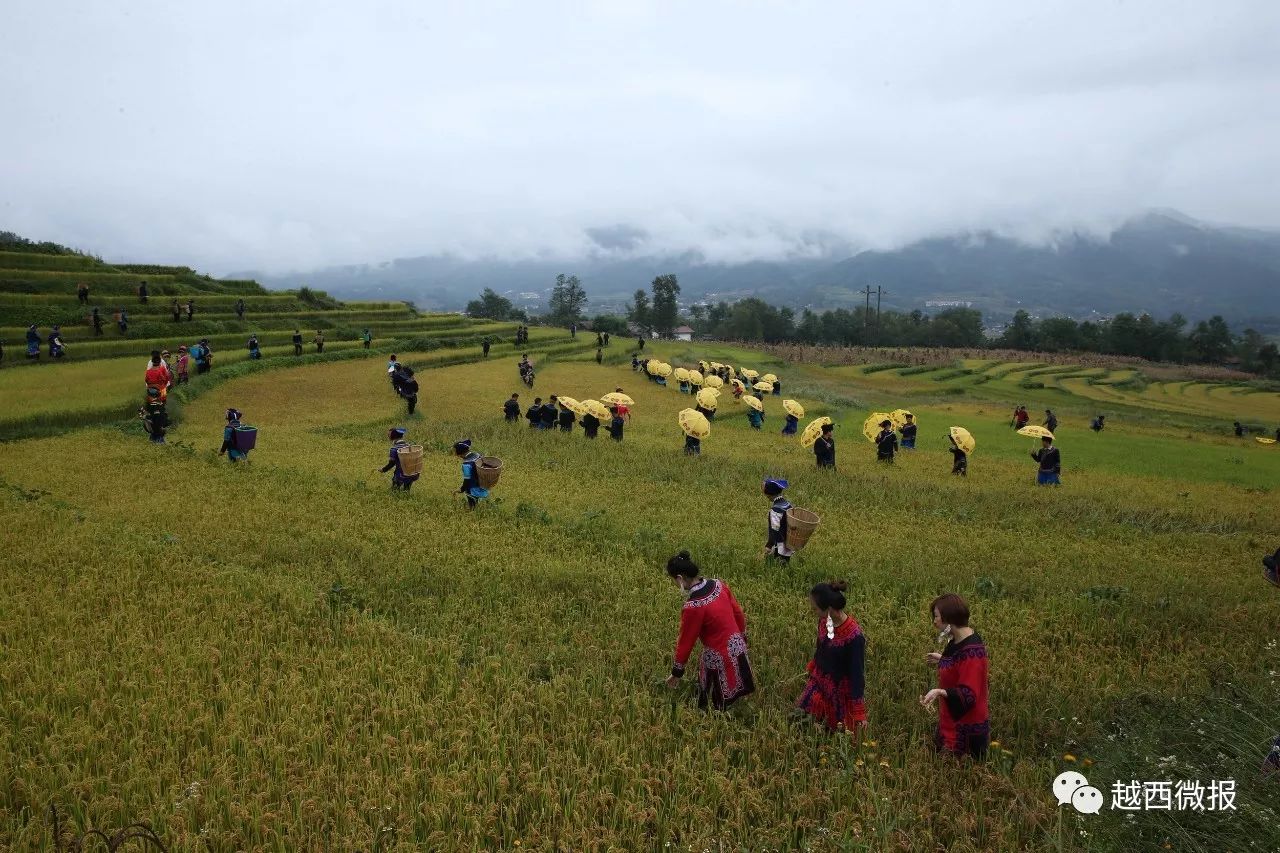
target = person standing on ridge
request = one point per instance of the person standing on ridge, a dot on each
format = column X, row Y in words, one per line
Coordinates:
column 824, row 449
column 176, row 310
column 96, row 319
column 367, row 337
column 1050, row 463
column 191, row 310
column 319, row 341
column 297, row 342
column 886, row 442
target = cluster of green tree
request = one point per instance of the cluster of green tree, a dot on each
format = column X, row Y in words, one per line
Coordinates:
column 11, row 242
column 493, row 306
column 660, row 312
column 1208, row 341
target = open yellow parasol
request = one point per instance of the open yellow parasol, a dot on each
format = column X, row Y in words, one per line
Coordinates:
column 1033, row 431
column 653, row 366
column 1264, row 440
column 750, row 374
column 791, row 407
column 707, row 399
column 715, row 365
column 694, row 423
column 695, row 376
column 737, row 385
column 766, row 387
column 871, row 426
column 962, row 438
column 597, row 409
column 899, row 417
column 713, row 381
column 570, row 404
column 702, row 364
column 617, row 398
column 769, row 377
column 753, row 402
column 664, row 370
column 681, row 374
column 812, row 431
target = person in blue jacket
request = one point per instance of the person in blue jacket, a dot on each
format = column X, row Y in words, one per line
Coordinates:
column 33, row 342
column 229, row 437
column 399, row 480
column 755, row 418
column 470, row 473
column 792, row 425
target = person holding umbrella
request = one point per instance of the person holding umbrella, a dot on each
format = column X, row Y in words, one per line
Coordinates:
column 1050, row 462
column 964, row 721
column 959, row 458
column 794, row 413
column 706, row 403
column 886, row 442
column 590, row 424
column 835, row 692
column 713, row 616
column 775, row 545
column 567, row 417
column 615, row 423
column 470, row 473
column 695, row 427
column 755, row 411
column 824, row 447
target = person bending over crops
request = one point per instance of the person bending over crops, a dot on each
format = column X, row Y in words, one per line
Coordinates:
column 409, row 389
column 1050, row 463
column 886, row 442
column 964, row 723
column 835, row 691
column 615, row 423
column 229, row 446
column 713, row 616
column 470, row 473
column 824, row 448
column 534, row 415
column 399, row 480
column 511, row 409
column 775, row 545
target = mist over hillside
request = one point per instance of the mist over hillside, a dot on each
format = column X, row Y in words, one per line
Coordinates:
column 1159, row 263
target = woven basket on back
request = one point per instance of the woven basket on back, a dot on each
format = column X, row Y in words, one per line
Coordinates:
column 800, row 526
column 488, row 471
column 410, row 459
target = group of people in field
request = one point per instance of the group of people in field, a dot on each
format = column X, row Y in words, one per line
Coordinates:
column 835, row 691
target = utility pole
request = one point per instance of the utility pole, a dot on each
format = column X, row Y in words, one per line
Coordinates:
column 866, row 314
column 879, row 292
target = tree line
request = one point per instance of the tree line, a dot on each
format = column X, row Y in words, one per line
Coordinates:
column 657, row 310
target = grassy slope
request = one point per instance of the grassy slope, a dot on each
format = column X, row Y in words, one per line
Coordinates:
column 486, row 678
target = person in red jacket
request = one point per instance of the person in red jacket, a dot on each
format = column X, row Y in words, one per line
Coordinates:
column 158, row 375
column 711, row 614
column 837, row 681
column 964, row 722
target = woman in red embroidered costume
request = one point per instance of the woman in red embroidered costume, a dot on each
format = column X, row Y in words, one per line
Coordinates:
column 964, row 724
column 711, row 614
column 834, row 693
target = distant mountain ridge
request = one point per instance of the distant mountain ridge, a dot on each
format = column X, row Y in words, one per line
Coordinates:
column 1161, row 262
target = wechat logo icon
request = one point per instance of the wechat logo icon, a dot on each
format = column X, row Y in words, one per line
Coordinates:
column 1071, row 787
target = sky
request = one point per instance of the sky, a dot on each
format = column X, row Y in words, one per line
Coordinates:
column 286, row 136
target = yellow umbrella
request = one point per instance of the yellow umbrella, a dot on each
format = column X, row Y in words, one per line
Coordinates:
column 713, row 381
column 715, row 365
column 1262, row 440
column 899, row 417
column 694, row 423
column 962, row 438
column 653, row 366
column 737, row 385
column 812, row 431
column 1033, row 431
column 707, row 399
column 753, row 402
column 695, row 377
column 766, row 387
column 871, row 426
column 769, row 377
column 681, row 374
column 570, row 404
column 617, row 398
column 791, row 407
column 664, row 370
column 702, row 365
column 750, row 374
column 596, row 408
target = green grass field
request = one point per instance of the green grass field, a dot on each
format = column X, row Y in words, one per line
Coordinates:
column 284, row 655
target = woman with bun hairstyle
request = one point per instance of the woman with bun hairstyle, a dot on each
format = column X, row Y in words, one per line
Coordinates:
column 711, row 614
column 837, row 681
column 964, row 723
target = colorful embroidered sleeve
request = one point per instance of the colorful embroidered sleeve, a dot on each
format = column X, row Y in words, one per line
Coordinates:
column 690, row 629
